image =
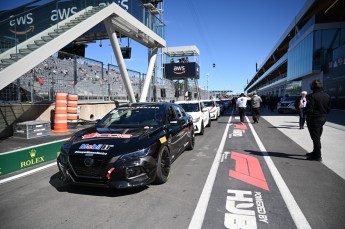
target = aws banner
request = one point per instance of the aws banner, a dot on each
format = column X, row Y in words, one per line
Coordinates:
column 22, row 23
column 175, row 71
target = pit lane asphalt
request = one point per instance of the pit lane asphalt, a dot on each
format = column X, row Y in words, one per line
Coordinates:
column 41, row 201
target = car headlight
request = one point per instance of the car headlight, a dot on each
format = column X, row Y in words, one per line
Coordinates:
column 136, row 154
column 213, row 111
column 197, row 119
column 140, row 153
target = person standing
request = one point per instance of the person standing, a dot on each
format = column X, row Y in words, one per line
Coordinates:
column 241, row 105
column 300, row 104
column 256, row 101
column 317, row 109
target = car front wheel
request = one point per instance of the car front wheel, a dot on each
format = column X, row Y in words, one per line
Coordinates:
column 202, row 130
column 191, row 141
column 163, row 166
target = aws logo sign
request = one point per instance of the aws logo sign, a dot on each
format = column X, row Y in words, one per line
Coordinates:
column 179, row 70
column 28, row 19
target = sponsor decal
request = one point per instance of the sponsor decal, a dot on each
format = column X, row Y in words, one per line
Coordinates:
column 34, row 160
column 98, row 135
column 248, row 170
column 241, row 211
column 163, row 139
column 179, row 70
column 146, row 107
column 90, row 153
column 96, row 146
column 30, row 29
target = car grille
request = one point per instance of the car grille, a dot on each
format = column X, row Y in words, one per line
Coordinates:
column 95, row 170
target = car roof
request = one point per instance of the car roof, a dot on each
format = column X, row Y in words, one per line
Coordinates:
column 189, row 101
column 163, row 104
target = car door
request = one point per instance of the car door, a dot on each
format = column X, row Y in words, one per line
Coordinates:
column 181, row 114
column 183, row 124
column 174, row 129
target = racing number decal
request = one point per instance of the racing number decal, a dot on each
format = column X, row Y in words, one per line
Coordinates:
column 248, row 169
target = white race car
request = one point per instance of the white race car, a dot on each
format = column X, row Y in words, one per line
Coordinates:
column 199, row 112
column 213, row 107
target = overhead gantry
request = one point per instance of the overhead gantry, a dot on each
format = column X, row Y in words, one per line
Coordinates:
column 182, row 63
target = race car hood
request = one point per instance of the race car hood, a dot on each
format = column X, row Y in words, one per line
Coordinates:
column 112, row 141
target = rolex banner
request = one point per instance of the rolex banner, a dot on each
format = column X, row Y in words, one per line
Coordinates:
column 21, row 159
column 175, row 71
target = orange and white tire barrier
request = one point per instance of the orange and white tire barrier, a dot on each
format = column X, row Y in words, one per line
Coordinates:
column 72, row 111
column 60, row 117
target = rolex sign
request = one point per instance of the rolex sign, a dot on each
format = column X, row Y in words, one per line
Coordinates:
column 175, row 71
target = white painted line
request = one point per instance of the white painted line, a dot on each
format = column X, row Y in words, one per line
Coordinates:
column 200, row 210
column 26, row 173
column 222, row 158
column 296, row 213
column 34, row 146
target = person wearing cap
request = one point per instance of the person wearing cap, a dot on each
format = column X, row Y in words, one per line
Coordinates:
column 300, row 105
column 317, row 109
column 241, row 105
column 256, row 101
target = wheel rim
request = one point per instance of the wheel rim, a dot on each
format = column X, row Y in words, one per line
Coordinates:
column 165, row 163
column 193, row 140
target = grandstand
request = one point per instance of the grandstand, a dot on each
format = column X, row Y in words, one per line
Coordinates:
column 33, row 67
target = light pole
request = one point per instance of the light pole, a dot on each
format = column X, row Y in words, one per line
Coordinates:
column 207, row 85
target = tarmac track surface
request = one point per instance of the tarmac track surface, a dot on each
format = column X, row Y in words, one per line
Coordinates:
column 268, row 185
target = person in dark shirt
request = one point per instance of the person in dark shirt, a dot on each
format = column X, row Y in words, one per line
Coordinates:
column 317, row 109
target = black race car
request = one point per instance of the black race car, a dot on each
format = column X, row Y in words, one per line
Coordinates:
column 133, row 145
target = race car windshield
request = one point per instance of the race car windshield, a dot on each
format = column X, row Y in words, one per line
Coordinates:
column 133, row 117
column 190, row 107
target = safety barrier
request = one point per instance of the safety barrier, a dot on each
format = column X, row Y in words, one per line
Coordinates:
column 72, row 111
column 24, row 158
column 60, row 117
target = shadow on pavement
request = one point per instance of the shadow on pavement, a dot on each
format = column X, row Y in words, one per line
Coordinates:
column 91, row 191
column 279, row 154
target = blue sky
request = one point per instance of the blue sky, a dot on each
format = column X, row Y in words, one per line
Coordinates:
column 233, row 34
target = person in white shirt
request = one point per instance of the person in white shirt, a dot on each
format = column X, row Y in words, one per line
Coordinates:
column 300, row 104
column 241, row 105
